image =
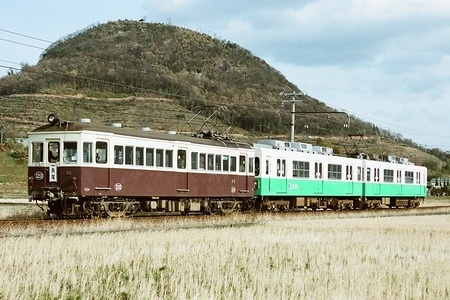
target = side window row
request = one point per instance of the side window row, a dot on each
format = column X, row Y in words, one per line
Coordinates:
column 155, row 157
column 219, row 162
column 140, row 156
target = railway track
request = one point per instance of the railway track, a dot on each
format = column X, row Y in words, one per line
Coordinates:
column 34, row 227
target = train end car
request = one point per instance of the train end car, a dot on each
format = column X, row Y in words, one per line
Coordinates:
column 302, row 176
column 85, row 170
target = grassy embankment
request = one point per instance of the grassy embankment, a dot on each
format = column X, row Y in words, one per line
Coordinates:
column 13, row 171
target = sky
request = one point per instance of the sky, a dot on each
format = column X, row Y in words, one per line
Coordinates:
column 383, row 61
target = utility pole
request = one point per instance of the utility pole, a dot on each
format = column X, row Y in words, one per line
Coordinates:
column 293, row 100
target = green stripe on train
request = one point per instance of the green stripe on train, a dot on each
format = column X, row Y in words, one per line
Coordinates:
column 296, row 187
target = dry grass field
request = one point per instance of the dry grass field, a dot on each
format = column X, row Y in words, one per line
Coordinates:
column 313, row 256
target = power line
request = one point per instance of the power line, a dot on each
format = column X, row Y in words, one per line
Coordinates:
column 10, row 62
column 23, row 44
column 27, row 36
column 407, row 130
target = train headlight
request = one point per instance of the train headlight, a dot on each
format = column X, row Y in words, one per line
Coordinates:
column 52, row 119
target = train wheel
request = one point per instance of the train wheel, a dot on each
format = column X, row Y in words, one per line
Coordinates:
column 119, row 209
column 225, row 211
column 227, row 207
column 114, row 211
column 250, row 205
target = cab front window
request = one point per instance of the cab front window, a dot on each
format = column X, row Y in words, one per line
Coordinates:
column 53, row 152
column 70, row 152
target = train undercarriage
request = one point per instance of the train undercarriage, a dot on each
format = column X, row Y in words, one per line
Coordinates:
column 332, row 203
column 60, row 206
column 112, row 207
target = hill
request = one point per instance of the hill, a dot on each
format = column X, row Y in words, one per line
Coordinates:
column 156, row 61
column 161, row 76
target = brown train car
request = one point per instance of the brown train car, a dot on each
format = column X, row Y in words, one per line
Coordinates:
column 86, row 170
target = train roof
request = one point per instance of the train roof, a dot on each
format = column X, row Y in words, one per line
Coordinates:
column 67, row 126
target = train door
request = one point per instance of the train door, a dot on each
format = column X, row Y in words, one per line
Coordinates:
column 102, row 176
column 349, row 178
column 360, row 179
column 245, row 168
column 267, row 172
column 369, row 189
column 281, row 175
column 182, row 174
column 318, row 175
column 399, row 182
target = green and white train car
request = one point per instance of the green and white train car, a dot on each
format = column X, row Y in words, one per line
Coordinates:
column 298, row 175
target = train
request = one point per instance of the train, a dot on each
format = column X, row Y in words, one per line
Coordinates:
column 78, row 169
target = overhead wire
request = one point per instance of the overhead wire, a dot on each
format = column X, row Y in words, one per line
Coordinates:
column 27, row 36
column 395, row 127
column 23, row 44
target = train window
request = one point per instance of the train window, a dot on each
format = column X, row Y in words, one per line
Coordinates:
column 241, row 163
column 233, row 165
column 87, row 152
column 349, row 170
column 295, row 168
column 37, row 152
column 70, row 152
column 376, row 174
column 368, row 175
column 318, row 170
column 159, row 157
column 267, row 167
column 409, row 177
column 118, row 155
column 181, row 159
column 218, row 162
column 418, row 177
column 129, row 155
column 202, row 161
column 169, row 158
column 210, row 161
column 334, row 171
column 278, row 167
column 250, row 165
column 359, row 172
column 226, row 162
column 101, row 152
column 281, row 167
column 388, row 175
column 149, row 157
column 300, row 169
column 194, row 160
column 53, row 152
column 139, row 156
